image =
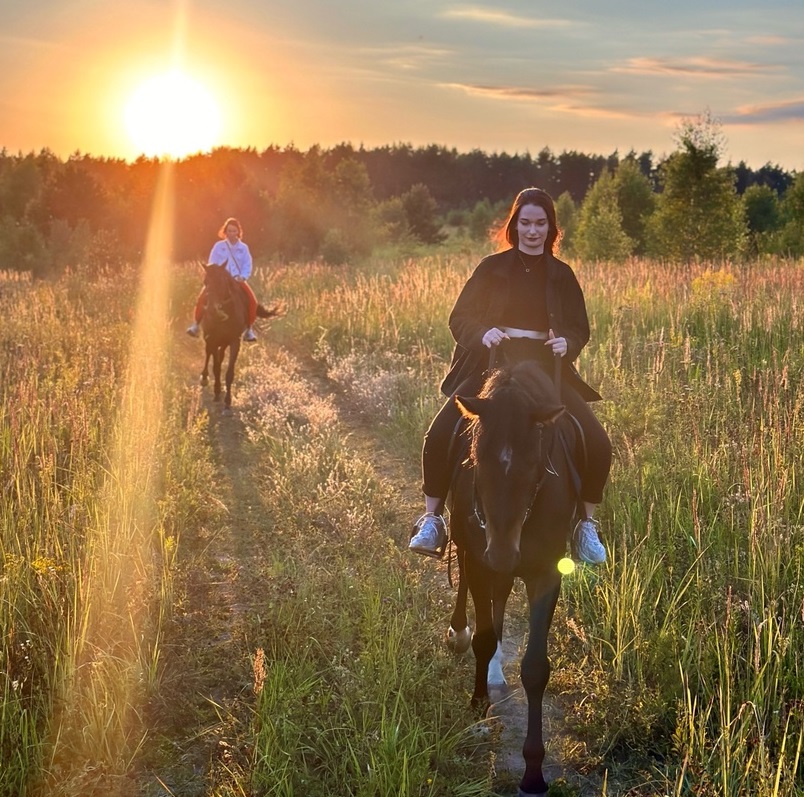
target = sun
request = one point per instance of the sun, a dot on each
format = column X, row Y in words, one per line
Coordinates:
column 172, row 115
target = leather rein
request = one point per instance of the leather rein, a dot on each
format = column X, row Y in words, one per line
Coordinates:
column 549, row 468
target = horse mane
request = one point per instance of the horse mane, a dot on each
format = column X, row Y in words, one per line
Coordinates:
column 518, row 395
column 219, row 272
column 526, row 376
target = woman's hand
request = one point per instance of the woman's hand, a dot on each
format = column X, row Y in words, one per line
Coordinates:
column 558, row 345
column 494, row 337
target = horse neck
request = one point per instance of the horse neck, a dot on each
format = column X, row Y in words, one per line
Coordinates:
column 224, row 288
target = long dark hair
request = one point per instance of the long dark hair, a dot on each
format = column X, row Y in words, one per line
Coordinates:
column 508, row 234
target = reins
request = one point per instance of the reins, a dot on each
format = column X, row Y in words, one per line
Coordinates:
column 549, row 469
column 219, row 303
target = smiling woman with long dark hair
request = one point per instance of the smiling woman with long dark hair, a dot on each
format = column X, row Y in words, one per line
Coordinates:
column 527, row 299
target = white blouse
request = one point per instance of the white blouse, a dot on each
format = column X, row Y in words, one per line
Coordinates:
column 237, row 258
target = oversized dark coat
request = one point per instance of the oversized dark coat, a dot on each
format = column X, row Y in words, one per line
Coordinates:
column 481, row 306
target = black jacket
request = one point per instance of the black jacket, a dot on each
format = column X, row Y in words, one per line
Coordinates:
column 481, row 306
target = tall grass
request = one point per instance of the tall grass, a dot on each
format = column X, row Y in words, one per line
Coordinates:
column 683, row 654
column 348, row 657
column 86, row 574
column 679, row 661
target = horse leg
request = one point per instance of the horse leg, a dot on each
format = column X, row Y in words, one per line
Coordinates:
column 205, row 372
column 234, row 350
column 535, row 672
column 496, row 674
column 459, row 635
column 485, row 589
column 217, row 359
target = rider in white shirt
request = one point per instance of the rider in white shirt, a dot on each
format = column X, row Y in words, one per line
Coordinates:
column 230, row 250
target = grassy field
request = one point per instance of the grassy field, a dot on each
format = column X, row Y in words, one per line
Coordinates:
column 128, row 505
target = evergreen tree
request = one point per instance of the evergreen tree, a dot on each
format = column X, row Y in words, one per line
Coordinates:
column 481, row 220
column 421, row 211
column 636, row 200
column 699, row 213
column 567, row 217
column 792, row 210
column 761, row 206
column 600, row 234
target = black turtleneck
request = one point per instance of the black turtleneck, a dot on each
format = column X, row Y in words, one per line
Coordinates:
column 526, row 307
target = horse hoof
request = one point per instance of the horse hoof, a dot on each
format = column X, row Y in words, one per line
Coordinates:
column 458, row 641
column 204, row 381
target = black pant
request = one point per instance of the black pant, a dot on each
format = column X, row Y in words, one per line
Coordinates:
column 437, row 469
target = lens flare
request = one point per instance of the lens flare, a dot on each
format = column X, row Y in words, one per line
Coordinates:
column 566, row 566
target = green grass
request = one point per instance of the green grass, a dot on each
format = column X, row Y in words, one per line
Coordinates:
column 679, row 662
column 695, row 622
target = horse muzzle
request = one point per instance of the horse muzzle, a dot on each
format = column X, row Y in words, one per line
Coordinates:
column 501, row 558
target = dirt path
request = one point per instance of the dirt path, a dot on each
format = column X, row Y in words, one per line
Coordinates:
column 211, row 632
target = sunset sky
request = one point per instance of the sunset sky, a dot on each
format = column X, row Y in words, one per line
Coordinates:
column 503, row 76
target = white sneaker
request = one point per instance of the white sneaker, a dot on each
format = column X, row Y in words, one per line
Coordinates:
column 249, row 335
column 430, row 538
column 588, row 547
column 193, row 330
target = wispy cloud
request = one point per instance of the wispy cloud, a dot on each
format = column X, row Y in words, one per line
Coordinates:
column 694, row 67
column 29, row 43
column 769, row 113
column 521, row 92
column 489, row 16
column 563, row 99
column 407, row 57
column 774, row 41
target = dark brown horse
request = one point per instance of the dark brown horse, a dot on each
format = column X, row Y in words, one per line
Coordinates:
column 224, row 320
column 511, row 514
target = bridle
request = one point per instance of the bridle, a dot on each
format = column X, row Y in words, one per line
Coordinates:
column 549, row 470
column 218, row 304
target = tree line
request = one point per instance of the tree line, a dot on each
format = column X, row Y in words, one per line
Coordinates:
column 346, row 202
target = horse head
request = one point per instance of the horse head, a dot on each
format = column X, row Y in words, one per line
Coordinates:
column 221, row 287
column 511, row 431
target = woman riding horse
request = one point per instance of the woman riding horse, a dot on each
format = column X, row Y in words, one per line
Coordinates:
column 232, row 252
column 526, row 296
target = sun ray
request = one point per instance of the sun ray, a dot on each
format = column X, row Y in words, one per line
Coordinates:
column 112, row 661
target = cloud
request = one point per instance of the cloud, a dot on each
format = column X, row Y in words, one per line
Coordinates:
column 407, row 57
column 774, row 41
column 29, row 43
column 564, row 99
column 520, row 92
column 769, row 113
column 502, row 18
column 693, row 67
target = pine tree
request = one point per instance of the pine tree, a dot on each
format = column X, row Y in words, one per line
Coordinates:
column 699, row 213
column 600, row 234
column 567, row 216
column 636, row 200
column 792, row 209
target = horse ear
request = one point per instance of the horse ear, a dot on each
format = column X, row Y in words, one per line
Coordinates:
column 470, row 407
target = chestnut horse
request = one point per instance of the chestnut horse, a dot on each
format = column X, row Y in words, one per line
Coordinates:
column 511, row 515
